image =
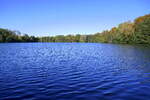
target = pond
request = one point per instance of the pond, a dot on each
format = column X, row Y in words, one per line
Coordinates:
column 74, row 71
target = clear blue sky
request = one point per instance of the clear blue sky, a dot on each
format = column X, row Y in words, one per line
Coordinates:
column 54, row 17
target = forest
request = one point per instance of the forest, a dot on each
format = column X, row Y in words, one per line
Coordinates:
column 136, row 32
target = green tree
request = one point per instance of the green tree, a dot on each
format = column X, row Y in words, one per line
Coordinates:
column 142, row 29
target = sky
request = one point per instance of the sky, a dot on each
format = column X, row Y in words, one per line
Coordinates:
column 62, row 17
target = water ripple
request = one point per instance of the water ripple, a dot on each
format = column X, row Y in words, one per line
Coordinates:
column 77, row 71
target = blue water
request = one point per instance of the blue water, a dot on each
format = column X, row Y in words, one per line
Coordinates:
column 74, row 71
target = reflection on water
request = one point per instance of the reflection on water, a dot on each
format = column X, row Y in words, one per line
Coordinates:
column 74, row 71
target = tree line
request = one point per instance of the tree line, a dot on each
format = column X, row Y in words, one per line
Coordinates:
column 15, row 36
column 136, row 32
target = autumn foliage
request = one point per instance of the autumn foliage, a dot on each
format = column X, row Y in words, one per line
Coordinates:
column 136, row 32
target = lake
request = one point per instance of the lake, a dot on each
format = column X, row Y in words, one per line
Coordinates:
column 74, row 71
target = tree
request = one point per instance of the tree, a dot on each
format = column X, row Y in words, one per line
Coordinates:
column 142, row 29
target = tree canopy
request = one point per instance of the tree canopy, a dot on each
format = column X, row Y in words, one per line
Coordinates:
column 137, row 32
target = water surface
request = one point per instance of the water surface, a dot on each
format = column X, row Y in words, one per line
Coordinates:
column 74, row 71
